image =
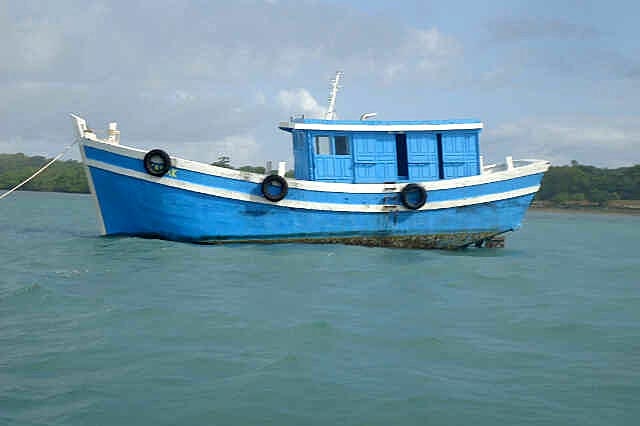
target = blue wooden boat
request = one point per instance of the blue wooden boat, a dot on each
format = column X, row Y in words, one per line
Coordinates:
column 418, row 184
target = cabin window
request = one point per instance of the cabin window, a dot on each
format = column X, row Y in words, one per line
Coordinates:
column 341, row 145
column 323, row 145
column 332, row 145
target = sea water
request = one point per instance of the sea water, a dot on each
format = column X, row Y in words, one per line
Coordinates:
column 110, row 331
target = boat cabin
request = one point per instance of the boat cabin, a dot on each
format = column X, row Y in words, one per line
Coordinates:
column 364, row 151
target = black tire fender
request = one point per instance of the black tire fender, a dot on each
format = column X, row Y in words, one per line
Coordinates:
column 157, row 162
column 413, row 196
column 271, row 182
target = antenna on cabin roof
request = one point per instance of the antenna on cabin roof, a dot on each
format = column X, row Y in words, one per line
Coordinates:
column 333, row 92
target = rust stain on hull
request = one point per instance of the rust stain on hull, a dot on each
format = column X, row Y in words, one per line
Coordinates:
column 432, row 241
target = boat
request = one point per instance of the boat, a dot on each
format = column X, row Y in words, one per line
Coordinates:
column 410, row 184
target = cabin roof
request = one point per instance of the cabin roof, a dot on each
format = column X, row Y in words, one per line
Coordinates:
column 377, row 125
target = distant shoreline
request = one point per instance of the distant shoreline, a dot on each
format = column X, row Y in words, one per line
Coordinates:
column 44, row 191
column 590, row 210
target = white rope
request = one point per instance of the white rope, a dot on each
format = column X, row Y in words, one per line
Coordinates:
column 42, row 169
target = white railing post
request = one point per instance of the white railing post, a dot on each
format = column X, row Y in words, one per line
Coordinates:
column 509, row 160
column 282, row 168
column 114, row 133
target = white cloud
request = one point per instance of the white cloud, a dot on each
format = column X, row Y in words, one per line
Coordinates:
column 260, row 98
column 40, row 45
column 427, row 52
column 300, row 101
column 432, row 48
column 589, row 140
column 181, row 96
column 30, row 45
column 512, row 29
column 240, row 148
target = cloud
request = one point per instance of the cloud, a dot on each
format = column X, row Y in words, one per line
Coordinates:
column 224, row 42
column 511, row 29
column 591, row 140
column 584, row 63
column 426, row 52
column 176, row 72
column 553, row 51
column 39, row 44
column 300, row 101
column 240, row 148
column 432, row 49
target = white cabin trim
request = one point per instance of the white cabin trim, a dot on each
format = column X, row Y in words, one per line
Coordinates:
column 418, row 127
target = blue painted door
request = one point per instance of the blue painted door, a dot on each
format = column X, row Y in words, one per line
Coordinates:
column 374, row 156
column 423, row 156
column 301, row 155
column 460, row 154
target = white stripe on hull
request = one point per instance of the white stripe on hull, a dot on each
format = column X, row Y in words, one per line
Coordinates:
column 309, row 205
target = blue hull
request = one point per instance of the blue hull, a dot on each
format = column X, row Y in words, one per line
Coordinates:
column 131, row 205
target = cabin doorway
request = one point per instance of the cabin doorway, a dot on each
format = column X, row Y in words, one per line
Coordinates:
column 440, row 157
column 402, row 157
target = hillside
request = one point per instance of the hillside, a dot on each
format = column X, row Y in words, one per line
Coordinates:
column 62, row 176
column 587, row 185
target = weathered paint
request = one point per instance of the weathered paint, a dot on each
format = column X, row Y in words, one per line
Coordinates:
column 453, row 241
column 493, row 242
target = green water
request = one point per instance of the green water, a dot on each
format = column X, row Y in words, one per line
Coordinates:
column 107, row 331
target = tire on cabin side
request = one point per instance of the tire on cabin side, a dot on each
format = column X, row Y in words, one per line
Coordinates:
column 157, row 162
column 276, row 182
column 413, row 196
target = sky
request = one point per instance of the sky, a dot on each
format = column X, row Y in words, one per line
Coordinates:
column 556, row 80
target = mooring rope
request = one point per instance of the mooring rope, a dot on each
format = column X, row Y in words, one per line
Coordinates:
column 40, row 170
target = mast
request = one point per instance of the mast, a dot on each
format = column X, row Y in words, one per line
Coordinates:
column 333, row 92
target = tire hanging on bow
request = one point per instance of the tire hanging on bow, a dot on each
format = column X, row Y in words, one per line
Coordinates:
column 157, row 162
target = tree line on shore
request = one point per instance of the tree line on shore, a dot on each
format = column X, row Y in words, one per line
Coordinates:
column 62, row 176
column 577, row 183
column 562, row 185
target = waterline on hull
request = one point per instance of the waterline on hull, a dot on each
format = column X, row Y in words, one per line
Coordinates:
column 451, row 241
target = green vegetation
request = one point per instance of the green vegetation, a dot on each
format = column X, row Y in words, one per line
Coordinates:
column 62, row 176
column 589, row 186
column 223, row 161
